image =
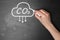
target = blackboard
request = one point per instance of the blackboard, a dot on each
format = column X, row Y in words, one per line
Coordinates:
column 12, row 29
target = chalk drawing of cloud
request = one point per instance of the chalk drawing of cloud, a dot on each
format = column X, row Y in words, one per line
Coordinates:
column 22, row 9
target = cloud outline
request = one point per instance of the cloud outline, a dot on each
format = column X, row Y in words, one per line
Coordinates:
column 17, row 7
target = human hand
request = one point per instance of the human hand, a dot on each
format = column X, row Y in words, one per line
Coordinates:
column 43, row 16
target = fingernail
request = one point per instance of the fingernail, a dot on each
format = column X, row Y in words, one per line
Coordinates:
column 38, row 14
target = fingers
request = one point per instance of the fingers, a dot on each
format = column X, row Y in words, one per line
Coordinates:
column 37, row 17
column 37, row 12
column 44, row 12
column 41, row 13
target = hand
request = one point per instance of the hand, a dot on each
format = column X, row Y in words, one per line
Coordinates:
column 43, row 16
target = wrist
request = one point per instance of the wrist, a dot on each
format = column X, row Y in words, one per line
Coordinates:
column 47, row 24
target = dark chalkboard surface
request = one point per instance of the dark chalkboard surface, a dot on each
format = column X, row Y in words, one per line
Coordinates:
column 12, row 29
